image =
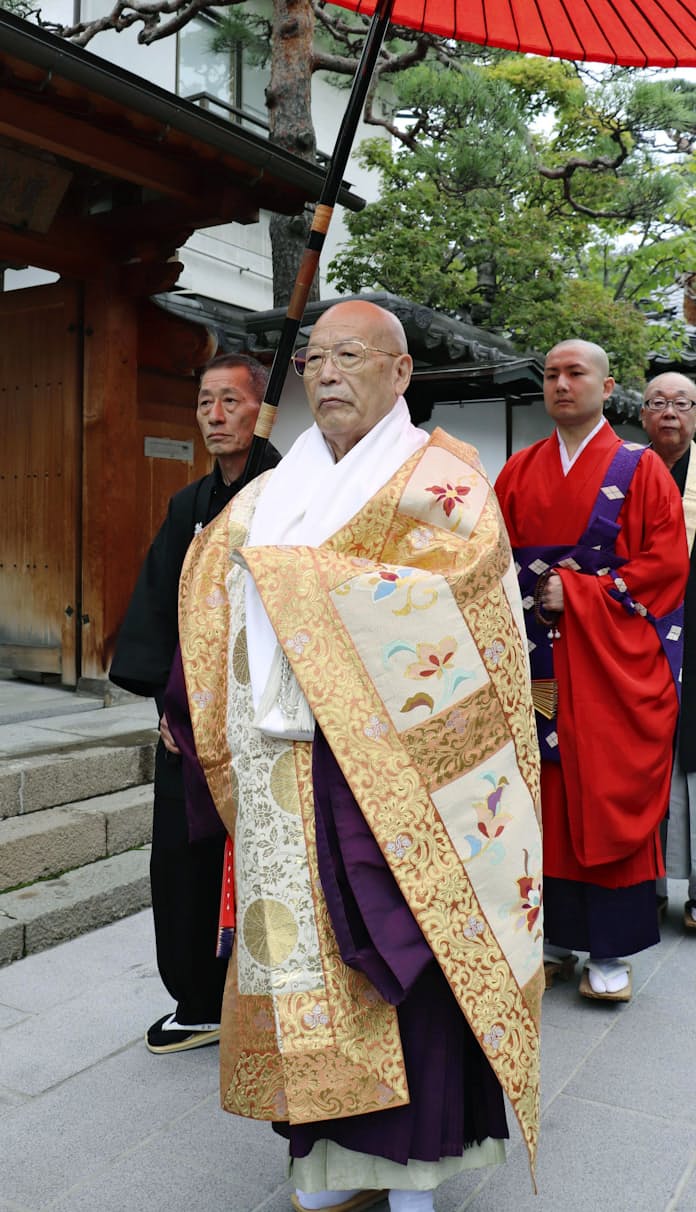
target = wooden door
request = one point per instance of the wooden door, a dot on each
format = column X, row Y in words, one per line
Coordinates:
column 40, row 405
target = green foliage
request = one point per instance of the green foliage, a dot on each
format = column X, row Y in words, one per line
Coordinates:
column 20, row 8
column 535, row 199
column 239, row 27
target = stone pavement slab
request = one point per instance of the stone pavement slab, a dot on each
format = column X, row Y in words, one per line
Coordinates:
column 92, row 1122
column 21, row 700
column 45, row 733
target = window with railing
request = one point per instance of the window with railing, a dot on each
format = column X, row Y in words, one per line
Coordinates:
column 224, row 82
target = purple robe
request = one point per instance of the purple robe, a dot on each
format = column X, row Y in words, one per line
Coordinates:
column 455, row 1097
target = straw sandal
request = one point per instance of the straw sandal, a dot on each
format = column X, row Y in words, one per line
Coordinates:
column 621, row 995
column 563, row 968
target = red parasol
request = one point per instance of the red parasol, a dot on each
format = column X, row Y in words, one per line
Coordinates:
column 634, row 33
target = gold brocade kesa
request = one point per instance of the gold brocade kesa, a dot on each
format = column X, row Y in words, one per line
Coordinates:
column 404, row 632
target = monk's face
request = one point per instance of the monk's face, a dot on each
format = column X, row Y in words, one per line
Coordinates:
column 671, row 429
column 347, row 401
column 576, row 385
column 227, row 410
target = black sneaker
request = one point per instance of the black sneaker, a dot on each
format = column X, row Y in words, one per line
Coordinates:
column 161, row 1037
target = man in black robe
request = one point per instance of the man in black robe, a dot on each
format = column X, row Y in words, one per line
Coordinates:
column 187, row 839
column 669, row 418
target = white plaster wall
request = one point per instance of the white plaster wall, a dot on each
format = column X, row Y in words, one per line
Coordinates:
column 480, row 423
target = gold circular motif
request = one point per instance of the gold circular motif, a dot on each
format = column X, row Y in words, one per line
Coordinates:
column 269, row 931
column 240, row 658
column 284, row 783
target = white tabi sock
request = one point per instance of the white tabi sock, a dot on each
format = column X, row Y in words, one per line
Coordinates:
column 411, row 1201
column 323, row 1199
column 607, row 975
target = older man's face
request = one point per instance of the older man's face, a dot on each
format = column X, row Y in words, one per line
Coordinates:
column 227, row 410
column 347, row 404
column 671, row 429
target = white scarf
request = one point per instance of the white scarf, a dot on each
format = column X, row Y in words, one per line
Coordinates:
column 307, row 498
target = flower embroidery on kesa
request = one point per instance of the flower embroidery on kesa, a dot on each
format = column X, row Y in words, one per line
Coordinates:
column 399, row 846
column 494, row 653
column 375, row 728
column 298, row 643
column 202, row 698
column 473, row 928
column 457, row 720
column 494, row 1038
column 432, row 659
column 449, row 495
column 529, row 906
column 315, row 1018
column 388, row 581
column 491, row 821
column 216, row 598
column 421, row 537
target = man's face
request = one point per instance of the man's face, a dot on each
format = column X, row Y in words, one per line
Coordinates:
column 575, row 387
column 671, row 430
column 227, row 410
column 348, row 404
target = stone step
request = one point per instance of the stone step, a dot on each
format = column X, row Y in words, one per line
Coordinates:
column 53, row 840
column 35, row 781
column 51, row 911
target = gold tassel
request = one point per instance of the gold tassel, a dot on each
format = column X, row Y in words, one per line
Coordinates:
column 545, row 697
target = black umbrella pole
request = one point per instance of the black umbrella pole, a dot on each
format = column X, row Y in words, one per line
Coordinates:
column 317, row 235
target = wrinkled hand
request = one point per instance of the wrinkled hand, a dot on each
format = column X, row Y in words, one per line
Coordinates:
column 167, row 738
column 552, row 594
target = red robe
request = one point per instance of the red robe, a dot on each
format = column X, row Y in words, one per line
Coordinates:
column 617, row 703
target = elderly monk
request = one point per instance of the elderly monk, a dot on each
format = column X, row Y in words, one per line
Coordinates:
column 668, row 416
column 355, row 664
column 596, row 527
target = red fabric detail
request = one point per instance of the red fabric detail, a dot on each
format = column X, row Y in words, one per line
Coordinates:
column 617, row 706
column 633, row 32
column 227, row 898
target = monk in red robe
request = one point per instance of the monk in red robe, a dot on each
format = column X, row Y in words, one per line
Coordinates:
column 597, row 529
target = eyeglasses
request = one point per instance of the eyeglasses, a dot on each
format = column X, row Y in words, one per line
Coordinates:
column 659, row 403
column 348, row 356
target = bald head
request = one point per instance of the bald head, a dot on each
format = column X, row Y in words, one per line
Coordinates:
column 593, row 352
column 359, row 314
column 365, row 367
column 670, row 384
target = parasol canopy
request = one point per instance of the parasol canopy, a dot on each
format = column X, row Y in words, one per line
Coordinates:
column 635, row 33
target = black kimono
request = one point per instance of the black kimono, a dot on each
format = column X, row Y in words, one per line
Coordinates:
column 185, row 876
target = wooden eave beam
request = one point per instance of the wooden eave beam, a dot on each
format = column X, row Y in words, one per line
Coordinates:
column 75, row 139
column 159, row 217
column 65, row 249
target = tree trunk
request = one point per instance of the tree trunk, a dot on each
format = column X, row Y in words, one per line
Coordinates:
column 289, row 100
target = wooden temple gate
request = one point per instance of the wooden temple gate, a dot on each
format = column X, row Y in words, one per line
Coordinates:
column 103, row 177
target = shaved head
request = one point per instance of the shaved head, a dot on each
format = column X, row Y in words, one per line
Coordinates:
column 669, row 383
column 364, row 316
column 593, row 352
